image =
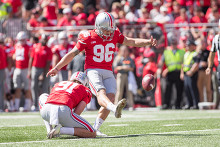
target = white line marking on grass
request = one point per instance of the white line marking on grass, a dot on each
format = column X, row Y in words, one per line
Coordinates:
column 10, row 126
column 161, row 119
column 19, row 116
column 174, row 132
column 27, row 142
column 118, row 125
column 118, row 136
column 170, row 125
column 206, row 130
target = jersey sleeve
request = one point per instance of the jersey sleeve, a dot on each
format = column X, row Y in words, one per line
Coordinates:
column 120, row 36
column 82, row 40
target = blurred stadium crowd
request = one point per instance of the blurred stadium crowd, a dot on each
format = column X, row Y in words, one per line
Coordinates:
column 36, row 34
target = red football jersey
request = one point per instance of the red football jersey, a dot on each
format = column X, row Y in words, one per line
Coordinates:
column 99, row 53
column 9, row 50
column 22, row 56
column 69, row 94
column 61, row 51
column 3, row 55
column 41, row 54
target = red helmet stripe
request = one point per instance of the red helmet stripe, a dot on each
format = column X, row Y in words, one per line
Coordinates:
column 110, row 18
column 77, row 74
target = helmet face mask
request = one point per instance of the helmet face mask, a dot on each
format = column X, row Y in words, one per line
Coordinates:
column 105, row 26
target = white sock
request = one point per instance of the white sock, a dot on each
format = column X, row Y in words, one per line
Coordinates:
column 111, row 107
column 98, row 123
column 66, row 131
column 11, row 103
column 27, row 105
column 48, row 126
column 17, row 103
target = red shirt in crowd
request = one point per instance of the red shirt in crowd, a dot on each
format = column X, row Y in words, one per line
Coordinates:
column 150, row 68
column 43, row 24
column 202, row 3
column 33, row 22
column 50, row 11
column 22, row 55
column 182, row 2
column 179, row 19
column 209, row 11
column 59, row 3
column 91, row 19
column 41, row 54
column 197, row 19
column 64, row 22
column 14, row 3
column 139, row 66
column 61, row 51
column 99, row 53
column 69, row 94
column 3, row 61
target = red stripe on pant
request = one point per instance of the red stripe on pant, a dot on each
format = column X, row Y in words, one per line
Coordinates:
column 84, row 123
column 40, row 105
column 93, row 88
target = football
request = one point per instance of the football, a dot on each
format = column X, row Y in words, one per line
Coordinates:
column 148, row 82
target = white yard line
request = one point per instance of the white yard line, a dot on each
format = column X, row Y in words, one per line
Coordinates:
column 19, row 116
column 174, row 132
column 147, row 117
column 171, row 125
column 121, row 120
column 10, row 126
column 118, row 125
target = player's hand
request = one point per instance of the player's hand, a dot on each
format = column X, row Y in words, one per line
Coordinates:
column 164, row 73
column 41, row 77
column 29, row 74
column 208, row 71
column 153, row 41
column 182, row 76
column 52, row 72
column 189, row 73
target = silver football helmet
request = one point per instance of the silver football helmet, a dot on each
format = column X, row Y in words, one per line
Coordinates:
column 105, row 21
column 62, row 37
column 21, row 36
column 80, row 76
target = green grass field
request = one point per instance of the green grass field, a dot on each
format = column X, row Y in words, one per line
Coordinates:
column 138, row 128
